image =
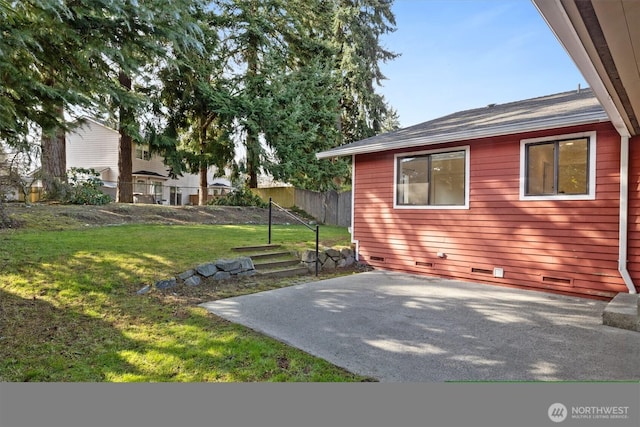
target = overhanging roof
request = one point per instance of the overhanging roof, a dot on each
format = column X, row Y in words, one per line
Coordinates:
column 547, row 112
column 603, row 39
column 149, row 173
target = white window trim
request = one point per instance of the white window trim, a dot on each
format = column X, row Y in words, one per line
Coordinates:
column 467, row 163
column 592, row 167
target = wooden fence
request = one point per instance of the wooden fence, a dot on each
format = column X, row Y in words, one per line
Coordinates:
column 329, row 207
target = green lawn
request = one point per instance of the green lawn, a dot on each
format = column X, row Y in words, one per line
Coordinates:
column 69, row 309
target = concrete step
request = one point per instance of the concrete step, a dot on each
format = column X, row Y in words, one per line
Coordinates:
column 286, row 272
column 254, row 248
column 270, row 255
column 272, row 265
column 273, row 262
column 623, row 311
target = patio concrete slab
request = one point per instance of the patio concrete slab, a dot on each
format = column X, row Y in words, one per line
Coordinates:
column 404, row 328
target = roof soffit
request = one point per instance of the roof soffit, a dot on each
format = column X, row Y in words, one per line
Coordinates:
column 620, row 26
column 604, row 43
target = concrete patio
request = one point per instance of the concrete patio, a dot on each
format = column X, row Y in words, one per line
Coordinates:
column 404, row 328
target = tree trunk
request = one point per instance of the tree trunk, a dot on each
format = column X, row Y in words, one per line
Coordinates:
column 124, row 192
column 54, row 158
column 252, row 142
column 202, row 195
column 253, row 159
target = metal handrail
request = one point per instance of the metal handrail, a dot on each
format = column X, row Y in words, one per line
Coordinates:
column 316, row 230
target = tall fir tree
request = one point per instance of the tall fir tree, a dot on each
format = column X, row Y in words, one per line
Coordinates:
column 356, row 32
column 199, row 106
column 305, row 75
column 69, row 56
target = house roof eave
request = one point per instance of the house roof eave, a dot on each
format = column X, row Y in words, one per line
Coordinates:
column 466, row 135
column 582, row 29
column 150, row 174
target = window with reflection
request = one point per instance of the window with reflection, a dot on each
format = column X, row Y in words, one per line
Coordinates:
column 557, row 167
column 432, row 179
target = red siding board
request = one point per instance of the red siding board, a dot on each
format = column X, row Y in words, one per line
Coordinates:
column 572, row 240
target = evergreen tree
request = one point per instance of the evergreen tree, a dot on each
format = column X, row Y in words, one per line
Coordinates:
column 78, row 56
column 255, row 34
column 357, row 28
column 280, row 43
column 199, row 105
column 292, row 76
column 302, row 124
column 144, row 34
column 44, row 64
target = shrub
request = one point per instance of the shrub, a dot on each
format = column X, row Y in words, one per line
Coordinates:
column 84, row 188
column 240, row 197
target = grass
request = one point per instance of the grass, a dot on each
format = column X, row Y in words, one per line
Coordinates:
column 69, row 309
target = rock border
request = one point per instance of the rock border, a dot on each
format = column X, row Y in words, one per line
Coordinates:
column 222, row 269
column 330, row 259
column 225, row 269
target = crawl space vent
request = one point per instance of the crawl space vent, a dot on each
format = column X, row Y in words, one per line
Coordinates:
column 559, row 280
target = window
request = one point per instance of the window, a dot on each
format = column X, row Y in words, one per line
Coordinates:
column 157, row 190
column 142, row 153
column 558, row 168
column 435, row 179
column 140, row 186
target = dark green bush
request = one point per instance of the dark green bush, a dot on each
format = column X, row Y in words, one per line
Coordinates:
column 240, row 197
column 84, row 188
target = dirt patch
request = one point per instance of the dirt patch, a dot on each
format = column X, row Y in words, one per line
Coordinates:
column 55, row 216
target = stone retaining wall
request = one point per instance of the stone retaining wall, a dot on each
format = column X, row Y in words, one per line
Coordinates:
column 222, row 269
column 330, row 259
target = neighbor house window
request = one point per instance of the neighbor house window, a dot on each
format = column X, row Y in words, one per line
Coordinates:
column 142, row 153
column 435, row 179
column 157, row 190
column 558, row 168
column 140, row 186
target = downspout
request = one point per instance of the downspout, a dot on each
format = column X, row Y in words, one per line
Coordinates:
column 624, row 213
column 353, row 207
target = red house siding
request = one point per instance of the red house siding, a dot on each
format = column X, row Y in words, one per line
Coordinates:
column 563, row 246
column 634, row 211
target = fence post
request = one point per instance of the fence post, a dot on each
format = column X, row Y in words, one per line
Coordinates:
column 270, row 220
column 317, row 241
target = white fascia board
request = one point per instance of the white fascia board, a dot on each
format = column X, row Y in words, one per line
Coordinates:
column 500, row 130
column 558, row 21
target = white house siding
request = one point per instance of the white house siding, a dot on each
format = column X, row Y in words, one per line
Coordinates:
column 93, row 145
column 186, row 185
column 154, row 165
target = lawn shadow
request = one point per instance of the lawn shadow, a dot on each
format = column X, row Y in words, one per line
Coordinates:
column 40, row 342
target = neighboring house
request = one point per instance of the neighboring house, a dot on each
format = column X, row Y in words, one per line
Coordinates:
column 533, row 193
column 94, row 145
column 16, row 181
